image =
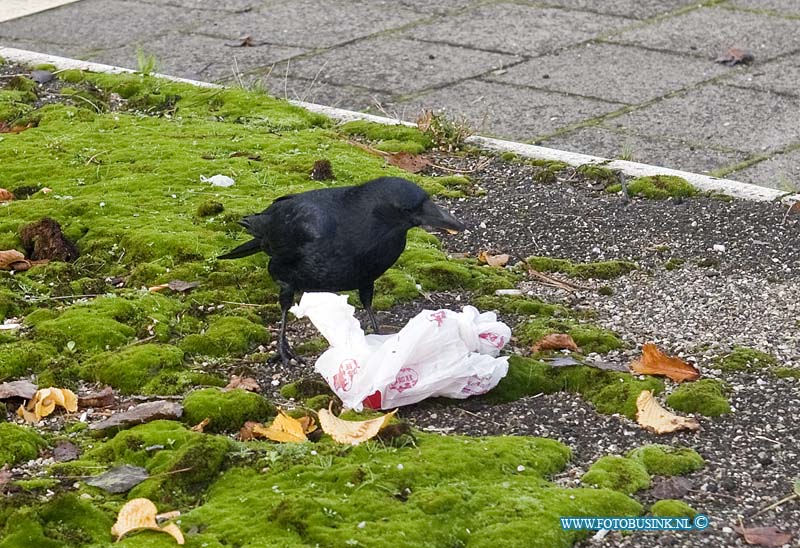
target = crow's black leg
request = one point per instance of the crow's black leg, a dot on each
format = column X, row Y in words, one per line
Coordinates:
column 365, row 294
column 285, row 298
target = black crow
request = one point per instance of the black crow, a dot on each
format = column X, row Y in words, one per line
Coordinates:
column 338, row 239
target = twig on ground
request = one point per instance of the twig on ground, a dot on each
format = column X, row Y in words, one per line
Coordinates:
column 550, row 281
column 776, row 504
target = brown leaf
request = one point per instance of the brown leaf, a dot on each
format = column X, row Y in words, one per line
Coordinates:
column 655, row 362
column 764, row 536
column 6, row 195
column 794, row 209
column 11, row 259
column 424, row 121
column 735, row 56
column 651, row 416
column 200, row 426
column 555, row 341
column 352, row 432
column 140, row 414
column 246, row 432
column 141, row 514
column 493, row 260
column 245, row 383
column 103, row 398
column 245, row 41
column 17, row 128
column 17, row 389
column 65, row 451
column 413, row 163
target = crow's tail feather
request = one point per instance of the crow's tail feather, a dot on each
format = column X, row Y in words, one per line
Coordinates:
column 248, row 248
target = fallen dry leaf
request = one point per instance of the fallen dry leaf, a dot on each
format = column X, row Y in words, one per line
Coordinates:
column 245, row 383
column 141, row 514
column 413, row 163
column 424, row 121
column 651, row 416
column 200, row 426
column 44, row 402
column 284, row 429
column 735, row 56
column 675, row 487
column 103, row 398
column 764, row 536
column 6, row 195
column 655, row 362
column 16, row 128
column 175, row 285
column 493, row 260
column 11, row 259
column 65, row 451
column 119, row 479
column 352, row 432
column 246, row 432
column 245, row 41
column 555, row 341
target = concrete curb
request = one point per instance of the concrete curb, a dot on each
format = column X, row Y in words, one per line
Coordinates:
column 705, row 183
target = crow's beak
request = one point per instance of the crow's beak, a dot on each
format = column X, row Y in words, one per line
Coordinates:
column 436, row 217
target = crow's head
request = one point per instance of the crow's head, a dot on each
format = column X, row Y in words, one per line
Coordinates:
column 404, row 203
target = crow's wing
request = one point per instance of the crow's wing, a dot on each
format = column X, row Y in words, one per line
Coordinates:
column 290, row 224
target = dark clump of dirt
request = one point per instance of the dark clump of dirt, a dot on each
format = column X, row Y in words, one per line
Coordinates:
column 45, row 240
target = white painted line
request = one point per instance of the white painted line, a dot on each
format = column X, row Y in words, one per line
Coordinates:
column 705, row 183
column 14, row 9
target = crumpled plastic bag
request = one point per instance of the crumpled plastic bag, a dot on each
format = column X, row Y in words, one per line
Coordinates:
column 438, row 353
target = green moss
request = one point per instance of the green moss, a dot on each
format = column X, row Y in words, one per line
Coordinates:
column 705, row 397
column 508, row 156
column 306, row 388
column 9, row 304
column 667, row 508
column 226, row 335
column 22, row 83
column 673, row 264
column 745, row 359
column 228, row 411
column 137, row 369
column 601, row 270
column 73, row 76
column 18, row 444
column 36, row 484
column 589, row 338
column 609, row 391
column 19, row 358
column 617, row 473
column 786, row 372
column 3, row 412
column 209, row 208
column 598, row 173
column 390, row 138
column 663, row 460
column 659, row 187
column 518, row 304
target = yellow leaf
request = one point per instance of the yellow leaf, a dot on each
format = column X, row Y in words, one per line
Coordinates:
column 284, row 429
column 200, row 426
column 493, row 260
column 653, row 417
column 351, row 432
column 141, row 514
column 44, row 402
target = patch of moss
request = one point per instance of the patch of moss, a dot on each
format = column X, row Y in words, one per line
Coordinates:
column 663, row 460
column 19, row 358
column 36, row 484
column 589, row 338
column 3, row 412
column 705, row 397
column 617, row 473
column 228, row 410
column 667, row 508
column 611, row 392
column 601, row 270
column 660, row 187
column 305, row 388
column 72, row 76
column 598, row 173
column 19, row 443
column 227, row 335
column 136, row 369
column 446, row 491
column 9, row 304
column 508, row 156
column 745, row 359
column 786, row 372
column 390, row 138
column 518, row 304
column 209, row 208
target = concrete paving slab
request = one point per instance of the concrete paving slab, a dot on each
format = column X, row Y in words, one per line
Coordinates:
column 666, row 152
column 397, row 65
column 197, row 57
column 781, row 76
column 781, row 7
column 37, row 45
column 95, row 24
column 613, row 72
column 499, row 109
column 12, row 9
column 426, row 6
column 639, row 9
column 310, row 23
column 517, row 28
column 782, row 171
column 741, row 119
column 709, row 31
column 215, row 5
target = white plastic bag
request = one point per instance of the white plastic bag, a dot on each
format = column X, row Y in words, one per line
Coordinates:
column 438, row 353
